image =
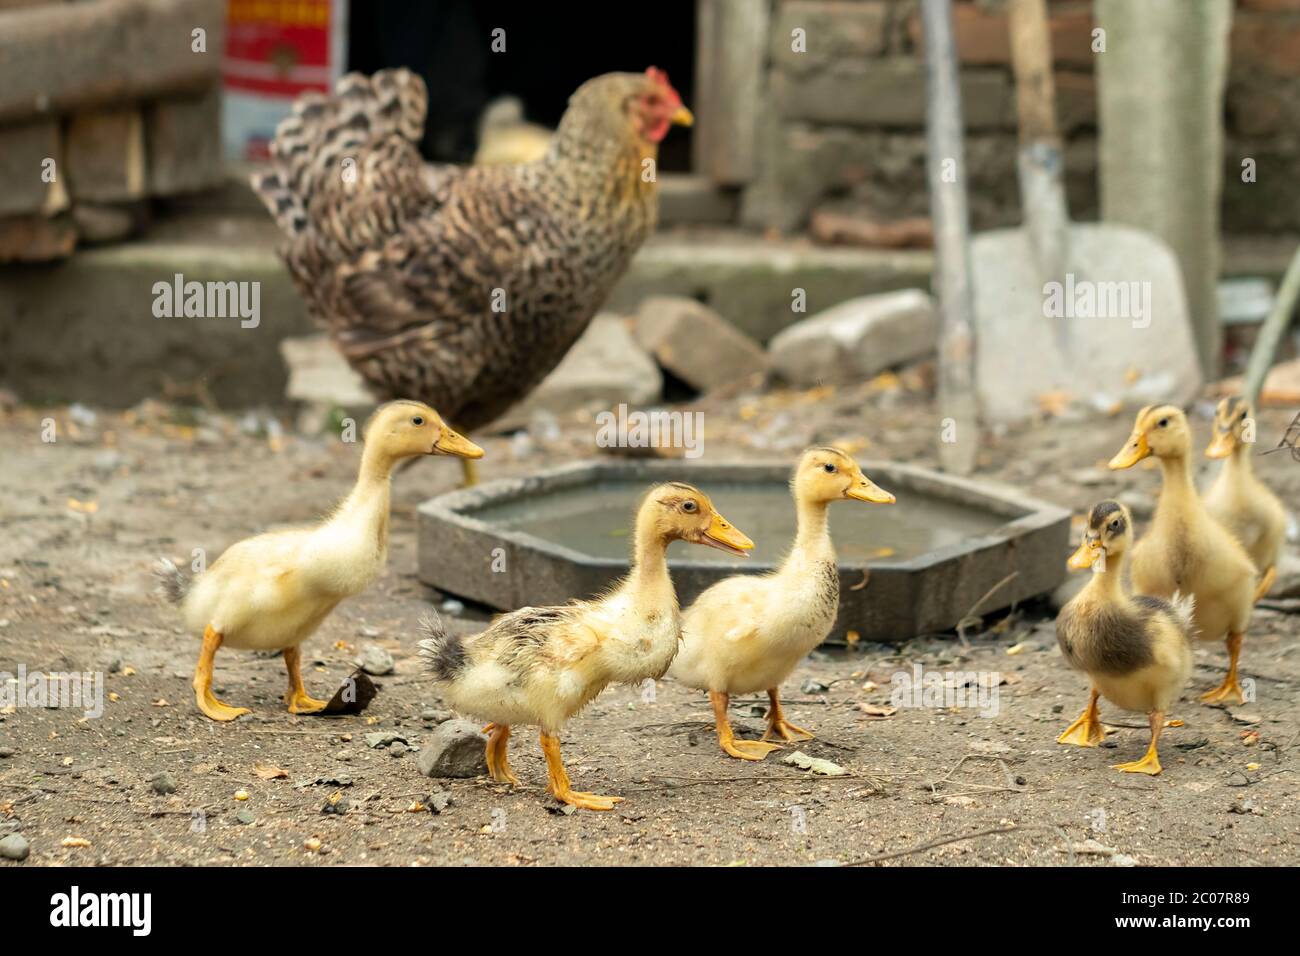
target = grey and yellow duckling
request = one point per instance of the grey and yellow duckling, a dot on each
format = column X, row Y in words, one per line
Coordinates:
column 1135, row 649
column 1237, row 499
column 1187, row 550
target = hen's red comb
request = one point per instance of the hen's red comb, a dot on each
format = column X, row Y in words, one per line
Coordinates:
column 660, row 77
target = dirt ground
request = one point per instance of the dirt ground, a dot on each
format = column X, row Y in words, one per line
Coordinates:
column 83, row 518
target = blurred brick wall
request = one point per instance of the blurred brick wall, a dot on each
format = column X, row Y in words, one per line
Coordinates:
column 845, row 127
column 104, row 104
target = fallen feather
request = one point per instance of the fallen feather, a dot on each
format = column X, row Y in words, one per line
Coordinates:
column 815, row 764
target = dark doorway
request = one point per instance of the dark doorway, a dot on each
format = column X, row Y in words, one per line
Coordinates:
column 551, row 49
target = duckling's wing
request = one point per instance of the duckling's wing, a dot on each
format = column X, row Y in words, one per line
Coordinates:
column 532, row 635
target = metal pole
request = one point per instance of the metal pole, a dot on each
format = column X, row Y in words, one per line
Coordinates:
column 946, row 169
column 1270, row 333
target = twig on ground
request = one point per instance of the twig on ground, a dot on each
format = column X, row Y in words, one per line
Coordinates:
column 1013, row 828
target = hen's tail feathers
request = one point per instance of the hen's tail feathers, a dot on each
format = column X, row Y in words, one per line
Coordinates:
column 1184, row 607
column 443, row 653
column 337, row 141
column 173, row 583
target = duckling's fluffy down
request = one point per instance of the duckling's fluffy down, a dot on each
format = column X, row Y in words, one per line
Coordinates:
column 540, row 665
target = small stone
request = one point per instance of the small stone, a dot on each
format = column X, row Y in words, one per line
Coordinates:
column 455, row 749
column 452, row 607
column 14, row 847
column 857, row 339
column 311, row 845
column 245, row 816
column 339, row 806
column 434, row 716
column 367, row 631
column 163, row 782
column 385, row 738
column 7, row 752
column 375, row 660
column 241, row 794
column 813, row 686
column 695, row 343
column 438, row 801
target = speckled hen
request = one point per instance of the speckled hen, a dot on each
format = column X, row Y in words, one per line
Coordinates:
column 462, row 287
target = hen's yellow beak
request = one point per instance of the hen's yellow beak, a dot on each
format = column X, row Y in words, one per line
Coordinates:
column 868, row 490
column 1133, row 452
column 451, row 443
column 682, row 117
column 1221, row 446
column 1086, row 556
column 724, row 537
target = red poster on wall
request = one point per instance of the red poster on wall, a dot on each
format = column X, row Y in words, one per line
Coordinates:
column 275, row 50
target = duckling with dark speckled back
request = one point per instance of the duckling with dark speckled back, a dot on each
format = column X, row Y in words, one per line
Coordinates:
column 1136, row 649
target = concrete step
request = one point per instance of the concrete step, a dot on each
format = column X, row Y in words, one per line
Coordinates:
column 86, row 330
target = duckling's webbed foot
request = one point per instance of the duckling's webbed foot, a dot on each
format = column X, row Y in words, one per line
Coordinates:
column 558, row 785
column 208, row 704
column 498, row 759
column 776, row 722
column 297, row 698
column 1230, row 689
column 1150, row 762
column 741, row 749
column 1087, row 731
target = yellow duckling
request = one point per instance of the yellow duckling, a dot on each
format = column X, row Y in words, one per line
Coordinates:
column 541, row 665
column 271, row 592
column 1238, row 500
column 1136, row 650
column 1186, row 550
column 747, row 633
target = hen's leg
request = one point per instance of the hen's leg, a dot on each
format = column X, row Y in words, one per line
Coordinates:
column 776, row 722
column 1266, row 582
column 210, row 706
column 558, row 784
column 744, row 749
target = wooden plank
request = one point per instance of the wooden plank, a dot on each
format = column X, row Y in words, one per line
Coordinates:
column 71, row 55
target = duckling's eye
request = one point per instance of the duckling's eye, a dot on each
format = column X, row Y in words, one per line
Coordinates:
column 689, row 507
column 417, row 420
column 830, row 469
column 1243, row 416
column 1114, row 525
column 1163, row 423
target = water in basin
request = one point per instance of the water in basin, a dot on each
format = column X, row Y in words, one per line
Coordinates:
column 597, row 520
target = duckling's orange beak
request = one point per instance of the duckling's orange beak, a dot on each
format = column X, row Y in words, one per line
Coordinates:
column 682, row 117
column 867, row 490
column 1086, row 556
column 724, row 537
column 1221, row 446
column 451, row 443
column 1134, row 450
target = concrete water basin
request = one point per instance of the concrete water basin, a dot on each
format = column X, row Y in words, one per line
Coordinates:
column 915, row 567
